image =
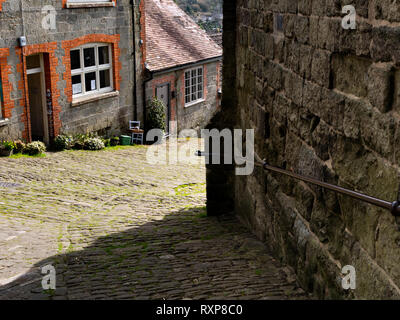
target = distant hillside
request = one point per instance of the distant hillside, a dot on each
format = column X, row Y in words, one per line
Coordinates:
column 207, row 13
column 195, row 7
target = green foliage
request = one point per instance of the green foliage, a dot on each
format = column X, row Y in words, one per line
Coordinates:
column 7, row 145
column 93, row 144
column 155, row 118
column 19, row 146
column 35, row 147
column 63, row 142
column 79, row 141
column 107, row 142
column 114, row 141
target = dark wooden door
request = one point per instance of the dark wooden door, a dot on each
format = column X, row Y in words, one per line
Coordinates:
column 163, row 94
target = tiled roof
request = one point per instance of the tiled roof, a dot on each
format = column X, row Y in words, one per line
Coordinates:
column 217, row 37
column 173, row 38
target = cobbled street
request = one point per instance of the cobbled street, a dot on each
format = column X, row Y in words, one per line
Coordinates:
column 116, row 227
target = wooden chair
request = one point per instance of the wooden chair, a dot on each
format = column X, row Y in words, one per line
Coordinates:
column 137, row 133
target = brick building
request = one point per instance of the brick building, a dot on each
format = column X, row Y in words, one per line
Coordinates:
column 77, row 71
column 182, row 65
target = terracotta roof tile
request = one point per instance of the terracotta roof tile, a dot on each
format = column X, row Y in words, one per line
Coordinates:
column 173, row 38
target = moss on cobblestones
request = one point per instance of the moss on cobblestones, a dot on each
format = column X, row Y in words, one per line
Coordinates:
column 115, row 226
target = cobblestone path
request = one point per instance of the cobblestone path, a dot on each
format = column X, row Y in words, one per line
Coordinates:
column 116, row 227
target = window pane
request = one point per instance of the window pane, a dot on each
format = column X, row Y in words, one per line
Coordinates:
column 200, row 71
column 105, row 79
column 75, row 59
column 76, row 84
column 103, row 55
column 194, row 73
column 89, row 57
column 33, row 62
column 90, row 81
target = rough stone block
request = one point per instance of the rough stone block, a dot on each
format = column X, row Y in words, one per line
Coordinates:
column 320, row 68
column 380, row 86
column 350, row 74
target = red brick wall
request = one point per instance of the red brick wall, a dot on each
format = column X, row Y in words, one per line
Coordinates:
column 64, row 2
column 5, row 70
column 1, row 3
column 67, row 45
column 52, row 79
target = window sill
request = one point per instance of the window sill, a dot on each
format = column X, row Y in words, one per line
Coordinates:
column 4, row 122
column 194, row 103
column 73, row 5
column 92, row 98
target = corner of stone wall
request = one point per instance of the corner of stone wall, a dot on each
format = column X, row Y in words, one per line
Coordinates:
column 220, row 178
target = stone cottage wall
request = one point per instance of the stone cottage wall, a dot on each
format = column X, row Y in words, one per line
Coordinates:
column 107, row 115
column 324, row 102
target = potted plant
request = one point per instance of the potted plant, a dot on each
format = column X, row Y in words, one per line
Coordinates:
column 6, row 148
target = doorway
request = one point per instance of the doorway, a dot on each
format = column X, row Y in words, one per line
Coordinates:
column 163, row 94
column 37, row 98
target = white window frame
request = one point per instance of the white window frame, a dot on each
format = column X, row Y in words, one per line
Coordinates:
column 197, row 100
column 96, row 68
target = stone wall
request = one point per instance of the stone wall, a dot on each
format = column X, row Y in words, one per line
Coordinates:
column 324, row 102
column 108, row 115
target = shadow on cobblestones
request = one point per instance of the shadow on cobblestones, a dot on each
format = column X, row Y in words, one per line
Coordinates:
column 185, row 255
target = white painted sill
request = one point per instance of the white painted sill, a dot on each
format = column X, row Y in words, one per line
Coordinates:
column 194, row 103
column 73, row 5
column 4, row 122
column 93, row 98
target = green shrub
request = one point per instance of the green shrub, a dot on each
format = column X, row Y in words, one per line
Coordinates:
column 19, row 146
column 78, row 141
column 114, row 141
column 155, row 118
column 94, row 144
column 7, row 145
column 34, row 148
column 63, row 142
column 107, row 142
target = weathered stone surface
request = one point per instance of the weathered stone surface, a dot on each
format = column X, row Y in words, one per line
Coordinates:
column 332, row 103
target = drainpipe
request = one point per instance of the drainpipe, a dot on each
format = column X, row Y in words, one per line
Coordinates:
column 148, row 77
column 22, row 43
column 135, row 112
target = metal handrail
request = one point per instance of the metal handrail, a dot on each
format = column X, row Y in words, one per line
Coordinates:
column 393, row 207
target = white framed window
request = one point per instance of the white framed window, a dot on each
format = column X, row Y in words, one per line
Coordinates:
column 91, row 69
column 194, row 86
